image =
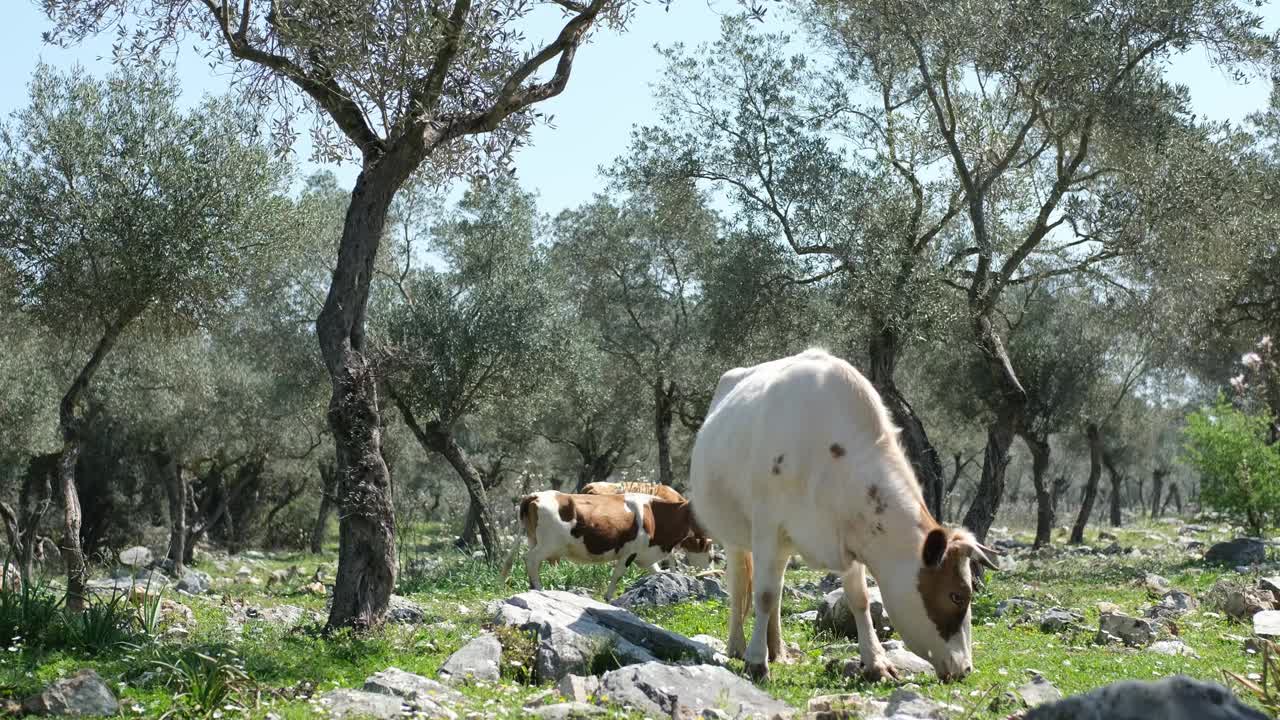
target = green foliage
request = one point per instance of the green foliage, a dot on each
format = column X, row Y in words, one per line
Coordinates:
column 1240, row 472
column 519, row 653
column 206, row 685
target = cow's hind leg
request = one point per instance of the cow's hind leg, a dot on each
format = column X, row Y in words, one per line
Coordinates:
column 875, row 666
column 619, row 569
column 777, row 649
column 770, row 562
column 532, row 564
column 737, row 575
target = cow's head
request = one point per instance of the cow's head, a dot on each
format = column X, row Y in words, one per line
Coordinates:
column 930, row 598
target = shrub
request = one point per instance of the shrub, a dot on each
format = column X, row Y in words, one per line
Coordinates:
column 1240, row 472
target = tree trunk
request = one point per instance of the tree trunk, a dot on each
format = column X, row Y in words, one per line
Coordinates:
column 1174, row 496
column 1060, row 487
column 1039, row 448
column 176, row 491
column 328, row 489
column 1117, row 488
column 1157, row 490
column 22, row 527
column 1008, row 402
column 467, row 538
column 664, row 412
column 434, row 437
column 883, row 360
column 366, row 572
column 71, row 426
column 210, row 511
column 1091, row 487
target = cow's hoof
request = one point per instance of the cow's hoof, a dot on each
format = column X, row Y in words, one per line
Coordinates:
column 880, row 669
column 758, row 672
column 737, row 651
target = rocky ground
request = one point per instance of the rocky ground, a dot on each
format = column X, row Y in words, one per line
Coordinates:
column 239, row 636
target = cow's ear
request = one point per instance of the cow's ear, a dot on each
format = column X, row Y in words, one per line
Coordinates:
column 935, row 548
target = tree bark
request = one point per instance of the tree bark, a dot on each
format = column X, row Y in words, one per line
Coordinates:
column 1039, row 448
column 176, row 491
column 1117, row 488
column 22, row 527
column 328, row 489
column 1157, row 490
column 71, row 426
column 1174, row 496
column 1008, row 402
column 664, row 401
column 366, row 572
column 883, row 360
column 1091, row 486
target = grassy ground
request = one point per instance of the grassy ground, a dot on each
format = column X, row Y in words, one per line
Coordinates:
column 267, row 671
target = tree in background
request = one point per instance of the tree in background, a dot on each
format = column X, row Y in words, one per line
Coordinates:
column 1240, row 471
column 474, row 337
column 450, row 88
column 119, row 209
column 631, row 267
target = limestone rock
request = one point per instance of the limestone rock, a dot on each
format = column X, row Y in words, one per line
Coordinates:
column 343, row 703
column 1241, row 551
column 1173, row 698
column 1056, row 620
column 573, row 630
column 669, row 588
column 404, row 611
column 136, row 557
column 577, row 688
column 567, row 711
column 82, row 694
column 422, row 695
column 194, row 582
column 1038, row 691
column 1175, row 648
column 479, row 659
column 834, row 615
column 677, row 691
column 1134, row 632
column 1267, row 623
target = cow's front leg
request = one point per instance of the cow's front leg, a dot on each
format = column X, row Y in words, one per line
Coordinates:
column 777, row 649
column 770, row 563
column 619, row 569
column 875, row 666
column 737, row 575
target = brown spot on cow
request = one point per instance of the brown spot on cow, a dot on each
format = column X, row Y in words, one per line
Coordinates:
column 566, row 508
column 837, row 450
column 604, row 524
column 942, row 584
column 878, row 503
column 529, row 517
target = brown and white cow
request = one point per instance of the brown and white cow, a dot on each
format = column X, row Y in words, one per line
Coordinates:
column 800, row 454
column 658, row 490
column 624, row 529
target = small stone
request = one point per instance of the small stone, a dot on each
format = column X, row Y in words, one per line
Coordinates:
column 135, row 557
column 1175, row 648
column 81, row 694
column 316, row 588
column 911, row 704
column 1038, row 691
column 1109, row 607
column 835, row 617
column 194, row 582
column 567, row 711
column 1240, row 551
column 404, row 611
column 1267, row 623
column 578, row 688
column 1241, row 604
column 423, row 695
column 479, row 659
column 807, row 616
column 1057, row 620
column 1134, row 632
column 343, row 703
column 1155, row 584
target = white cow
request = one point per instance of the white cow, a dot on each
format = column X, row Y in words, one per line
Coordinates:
column 800, row 455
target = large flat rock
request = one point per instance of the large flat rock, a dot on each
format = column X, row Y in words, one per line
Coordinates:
column 1173, row 698
column 574, row 631
column 680, row 691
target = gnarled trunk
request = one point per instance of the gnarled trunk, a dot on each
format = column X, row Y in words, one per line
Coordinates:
column 664, row 402
column 1117, row 488
column 883, row 361
column 175, row 489
column 1174, row 496
column 71, row 426
column 1039, row 447
column 22, row 527
column 328, row 489
column 1091, row 486
column 1008, row 402
column 1157, row 490
column 366, row 572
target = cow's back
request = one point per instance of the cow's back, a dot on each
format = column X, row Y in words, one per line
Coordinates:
column 785, row 439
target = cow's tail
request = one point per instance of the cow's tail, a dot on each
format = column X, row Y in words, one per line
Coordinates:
column 528, row 516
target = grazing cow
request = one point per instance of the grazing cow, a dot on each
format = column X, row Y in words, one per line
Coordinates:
column 800, row 454
column 658, row 490
column 624, row 529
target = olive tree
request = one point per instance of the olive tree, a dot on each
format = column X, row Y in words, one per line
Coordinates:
column 474, row 335
column 400, row 86
column 631, row 265
column 119, row 209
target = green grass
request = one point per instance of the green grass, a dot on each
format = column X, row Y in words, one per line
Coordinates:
column 270, row 670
